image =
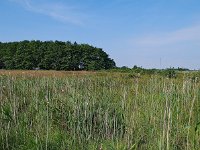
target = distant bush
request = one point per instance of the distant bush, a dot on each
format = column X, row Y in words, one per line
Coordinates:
column 170, row 73
column 134, row 75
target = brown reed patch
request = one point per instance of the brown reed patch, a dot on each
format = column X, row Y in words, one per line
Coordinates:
column 45, row 73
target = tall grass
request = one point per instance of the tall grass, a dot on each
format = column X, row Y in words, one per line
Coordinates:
column 99, row 111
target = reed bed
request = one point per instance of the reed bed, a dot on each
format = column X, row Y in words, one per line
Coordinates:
column 99, row 111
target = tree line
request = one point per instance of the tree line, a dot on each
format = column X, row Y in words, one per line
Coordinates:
column 133, row 72
column 53, row 55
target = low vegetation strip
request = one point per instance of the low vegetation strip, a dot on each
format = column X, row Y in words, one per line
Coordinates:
column 98, row 111
column 45, row 73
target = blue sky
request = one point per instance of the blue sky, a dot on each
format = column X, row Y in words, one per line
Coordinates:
column 147, row 33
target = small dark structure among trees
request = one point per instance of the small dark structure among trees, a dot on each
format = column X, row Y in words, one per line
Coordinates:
column 54, row 55
column 1, row 64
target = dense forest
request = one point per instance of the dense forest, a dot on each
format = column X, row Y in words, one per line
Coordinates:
column 53, row 55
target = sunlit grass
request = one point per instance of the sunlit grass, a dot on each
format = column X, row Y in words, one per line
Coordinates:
column 84, row 110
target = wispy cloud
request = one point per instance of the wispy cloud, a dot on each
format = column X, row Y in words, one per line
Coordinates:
column 56, row 10
column 189, row 34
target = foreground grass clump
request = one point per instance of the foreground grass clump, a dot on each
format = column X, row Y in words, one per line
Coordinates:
column 98, row 111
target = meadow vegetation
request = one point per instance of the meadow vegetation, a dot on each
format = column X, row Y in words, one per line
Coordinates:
column 99, row 110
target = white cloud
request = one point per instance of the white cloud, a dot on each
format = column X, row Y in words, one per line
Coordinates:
column 189, row 34
column 57, row 11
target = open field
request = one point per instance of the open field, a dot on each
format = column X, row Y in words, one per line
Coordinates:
column 98, row 110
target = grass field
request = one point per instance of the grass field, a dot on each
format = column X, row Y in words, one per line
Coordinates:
column 98, row 111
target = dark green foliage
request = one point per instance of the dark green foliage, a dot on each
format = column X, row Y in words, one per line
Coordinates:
column 170, row 73
column 51, row 55
column 2, row 65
